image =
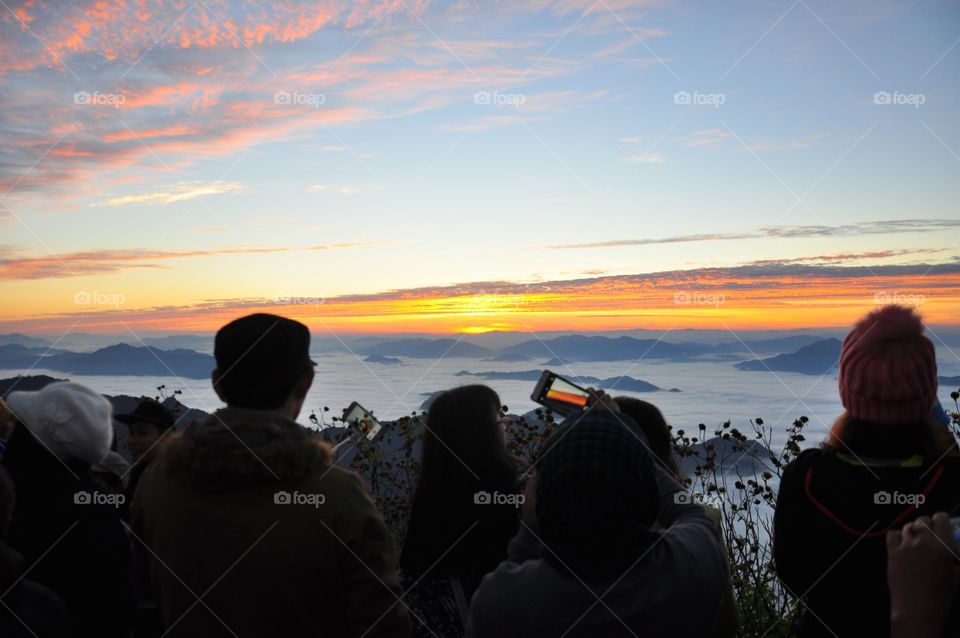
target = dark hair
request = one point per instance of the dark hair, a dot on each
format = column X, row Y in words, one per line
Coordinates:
column 247, row 387
column 655, row 427
column 464, row 453
column 928, row 437
column 260, row 359
column 464, row 440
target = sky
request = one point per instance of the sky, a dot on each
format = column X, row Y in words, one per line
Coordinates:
column 461, row 167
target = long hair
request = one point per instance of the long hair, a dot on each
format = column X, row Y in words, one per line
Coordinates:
column 464, row 454
column 464, row 442
column 927, row 437
column 654, row 426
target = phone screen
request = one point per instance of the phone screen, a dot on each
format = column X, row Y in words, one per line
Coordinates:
column 358, row 416
column 563, row 391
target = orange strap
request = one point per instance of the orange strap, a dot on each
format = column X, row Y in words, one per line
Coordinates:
column 808, row 481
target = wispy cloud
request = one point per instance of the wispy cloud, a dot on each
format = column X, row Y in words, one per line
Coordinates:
column 878, row 227
column 15, row 264
column 723, row 139
column 177, row 193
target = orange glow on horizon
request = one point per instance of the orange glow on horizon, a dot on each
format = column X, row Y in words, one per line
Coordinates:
column 586, row 305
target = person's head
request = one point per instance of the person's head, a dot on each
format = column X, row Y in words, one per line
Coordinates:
column 888, row 386
column 654, row 426
column 464, row 429
column 596, row 494
column 147, row 424
column 68, row 419
column 263, row 363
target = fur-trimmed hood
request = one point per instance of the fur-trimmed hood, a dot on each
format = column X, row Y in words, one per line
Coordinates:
column 237, row 447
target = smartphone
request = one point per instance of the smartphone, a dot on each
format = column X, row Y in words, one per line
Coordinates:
column 557, row 393
column 358, row 417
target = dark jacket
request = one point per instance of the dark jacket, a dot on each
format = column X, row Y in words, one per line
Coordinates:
column 31, row 609
column 457, row 532
column 246, row 513
column 829, row 533
column 685, row 569
column 78, row 550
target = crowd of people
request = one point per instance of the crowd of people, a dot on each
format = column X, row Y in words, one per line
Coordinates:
column 244, row 524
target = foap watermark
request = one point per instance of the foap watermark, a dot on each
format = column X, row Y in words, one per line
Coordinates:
column 298, row 300
column 691, row 498
column 697, row 298
column 97, row 298
column 85, row 98
column 897, row 98
column 98, row 498
column 898, row 498
column 299, row 498
column 696, row 98
column 884, row 298
column 496, row 98
column 498, row 498
column 296, row 98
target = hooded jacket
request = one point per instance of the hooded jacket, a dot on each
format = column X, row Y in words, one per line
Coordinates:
column 253, row 532
column 534, row 595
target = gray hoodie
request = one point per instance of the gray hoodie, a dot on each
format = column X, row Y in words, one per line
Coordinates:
column 678, row 588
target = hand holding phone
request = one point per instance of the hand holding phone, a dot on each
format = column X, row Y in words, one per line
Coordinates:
column 562, row 395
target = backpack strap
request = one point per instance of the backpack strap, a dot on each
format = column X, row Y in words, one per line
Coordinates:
column 895, row 523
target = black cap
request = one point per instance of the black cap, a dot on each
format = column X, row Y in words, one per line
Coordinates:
column 262, row 349
column 149, row 411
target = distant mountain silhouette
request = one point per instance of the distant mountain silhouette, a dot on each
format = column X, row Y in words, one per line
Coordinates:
column 818, row 358
column 426, row 349
column 382, row 360
column 25, row 384
column 23, row 340
column 572, row 348
column 121, row 359
column 626, row 384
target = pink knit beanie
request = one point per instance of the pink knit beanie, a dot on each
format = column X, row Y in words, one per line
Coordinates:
column 888, row 368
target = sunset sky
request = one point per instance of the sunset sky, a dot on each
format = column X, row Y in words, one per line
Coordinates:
column 414, row 166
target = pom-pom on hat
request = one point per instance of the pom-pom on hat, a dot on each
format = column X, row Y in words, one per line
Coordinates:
column 888, row 368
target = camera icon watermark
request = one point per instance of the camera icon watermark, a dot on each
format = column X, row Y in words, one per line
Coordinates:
column 299, row 498
column 698, row 298
column 498, row 498
column 898, row 298
column 898, row 498
column 496, row 98
column 97, row 298
column 916, row 100
column 85, row 98
column 298, row 300
column 296, row 98
column 696, row 98
column 98, row 498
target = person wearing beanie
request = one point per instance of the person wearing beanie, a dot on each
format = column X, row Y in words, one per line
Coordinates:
column 886, row 462
column 248, row 510
column 64, row 525
column 590, row 531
